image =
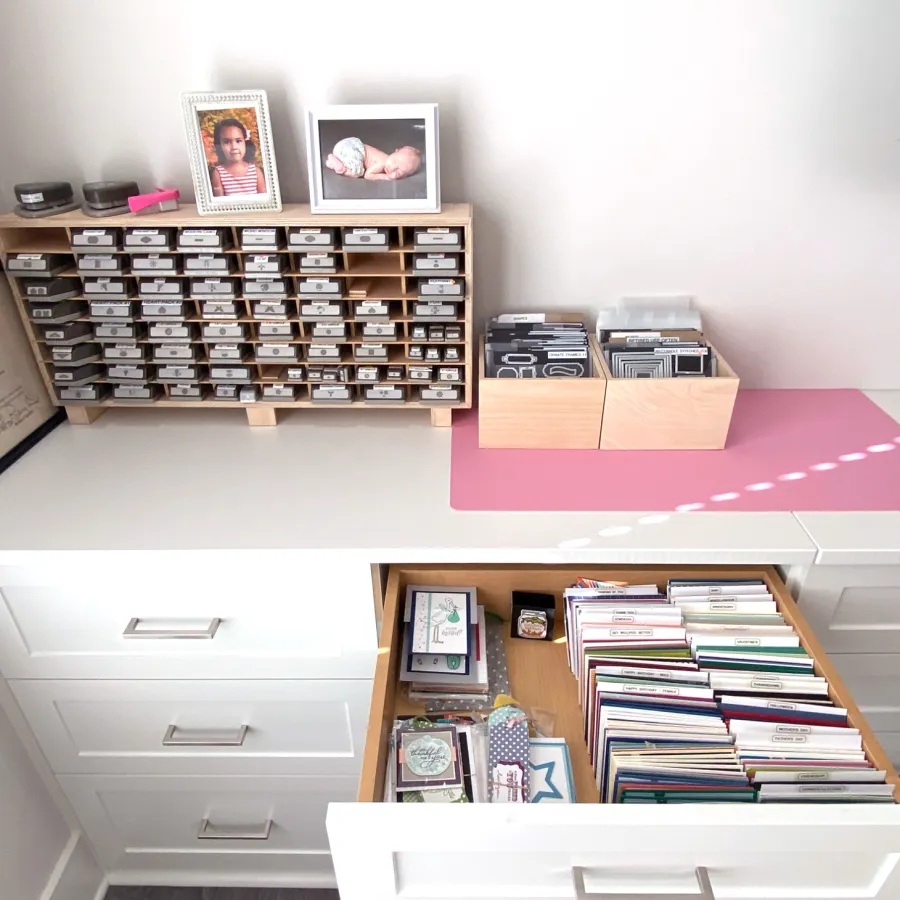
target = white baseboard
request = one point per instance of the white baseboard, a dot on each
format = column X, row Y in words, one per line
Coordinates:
column 76, row 875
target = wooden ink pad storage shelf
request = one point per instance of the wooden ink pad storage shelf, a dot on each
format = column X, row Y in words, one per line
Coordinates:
column 126, row 316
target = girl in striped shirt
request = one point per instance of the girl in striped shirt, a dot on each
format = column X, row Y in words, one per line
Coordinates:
column 236, row 171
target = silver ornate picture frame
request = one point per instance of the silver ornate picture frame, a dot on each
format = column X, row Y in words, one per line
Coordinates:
column 229, row 137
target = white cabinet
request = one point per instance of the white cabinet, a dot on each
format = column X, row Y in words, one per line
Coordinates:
column 208, row 831
column 197, row 620
column 198, row 727
column 382, row 851
column 853, row 609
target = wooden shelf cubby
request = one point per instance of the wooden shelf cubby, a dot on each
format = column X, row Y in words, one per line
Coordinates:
column 387, row 276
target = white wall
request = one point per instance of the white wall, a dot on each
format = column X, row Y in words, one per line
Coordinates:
column 33, row 834
column 745, row 151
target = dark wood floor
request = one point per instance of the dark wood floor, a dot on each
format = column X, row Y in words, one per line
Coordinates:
column 192, row 893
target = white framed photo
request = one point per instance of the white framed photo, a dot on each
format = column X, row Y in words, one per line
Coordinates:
column 374, row 158
column 229, row 137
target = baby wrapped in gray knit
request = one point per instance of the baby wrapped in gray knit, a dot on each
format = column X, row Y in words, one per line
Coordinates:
column 353, row 158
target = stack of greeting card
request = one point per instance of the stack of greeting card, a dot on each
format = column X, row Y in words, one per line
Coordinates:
column 444, row 644
column 705, row 694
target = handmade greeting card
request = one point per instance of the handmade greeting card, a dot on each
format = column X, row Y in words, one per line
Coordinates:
column 428, row 758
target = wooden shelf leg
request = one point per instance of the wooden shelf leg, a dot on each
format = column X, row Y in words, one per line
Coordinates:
column 262, row 416
column 84, row 415
column 441, row 418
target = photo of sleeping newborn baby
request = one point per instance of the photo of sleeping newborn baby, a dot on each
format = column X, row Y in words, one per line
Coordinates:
column 373, row 159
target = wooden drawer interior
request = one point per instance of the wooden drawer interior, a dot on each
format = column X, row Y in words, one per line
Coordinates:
column 539, row 672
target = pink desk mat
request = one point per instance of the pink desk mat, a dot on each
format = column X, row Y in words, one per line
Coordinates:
column 787, row 450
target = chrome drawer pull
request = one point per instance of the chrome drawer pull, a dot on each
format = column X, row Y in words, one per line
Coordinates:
column 210, row 832
column 706, row 891
column 206, row 634
column 203, row 738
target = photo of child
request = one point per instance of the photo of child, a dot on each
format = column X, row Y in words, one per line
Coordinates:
column 373, row 159
column 230, row 140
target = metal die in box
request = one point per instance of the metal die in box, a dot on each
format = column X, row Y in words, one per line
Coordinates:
column 151, row 263
column 201, row 239
column 89, row 393
column 380, row 331
column 435, row 332
column 264, row 263
column 276, row 353
column 260, row 238
column 296, row 373
column 322, row 310
column 448, row 263
column 432, row 354
column 331, row 393
column 395, row 373
column 101, row 288
column 226, row 392
column 162, row 310
column 445, row 238
column 453, row 333
column 176, row 373
column 375, row 310
column 185, row 391
column 262, row 288
column 212, row 309
column 372, row 240
column 318, row 262
column 371, row 351
column 108, row 263
column 451, row 354
column 324, row 351
column 135, row 392
column 367, row 373
column 226, row 352
column 78, row 376
column 116, row 331
column 50, row 289
column 167, row 352
column 248, row 394
column 207, row 262
column 319, row 289
column 37, row 265
column 440, row 311
column 75, row 354
column 95, row 237
column 394, row 393
column 171, row 332
column 272, row 309
column 440, row 289
column 125, row 350
column 449, row 373
column 232, row 374
column 122, row 372
column 330, row 330
column 163, row 288
column 318, row 238
column 277, row 331
column 420, row 373
column 278, row 392
column 112, row 310
column 442, row 393
column 333, row 373
column 222, row 289
column 224, row 331
column 70, row 333
column 157, row 238
column 419, row 333
column 415, row 351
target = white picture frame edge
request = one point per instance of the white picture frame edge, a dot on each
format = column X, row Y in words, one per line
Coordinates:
column 207, row 205
column 426, row 111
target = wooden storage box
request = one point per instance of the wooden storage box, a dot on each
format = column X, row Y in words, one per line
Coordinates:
column 668, row 413
column 541, row 413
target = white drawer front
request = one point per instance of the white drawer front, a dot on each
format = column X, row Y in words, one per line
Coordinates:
column 874, row 681
column 382, row 851
column 198, row 727
column 209, row 825
column 223, row 620
column 853, row 609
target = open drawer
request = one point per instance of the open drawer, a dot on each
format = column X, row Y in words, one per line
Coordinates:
column 588, row 849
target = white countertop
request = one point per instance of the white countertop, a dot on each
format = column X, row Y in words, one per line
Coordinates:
column 336, row 480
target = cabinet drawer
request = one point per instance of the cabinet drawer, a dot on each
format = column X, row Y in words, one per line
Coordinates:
column 147, row 829
column 241, row 616
column 853, row 609
column 760, row 851
column 198, row 727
